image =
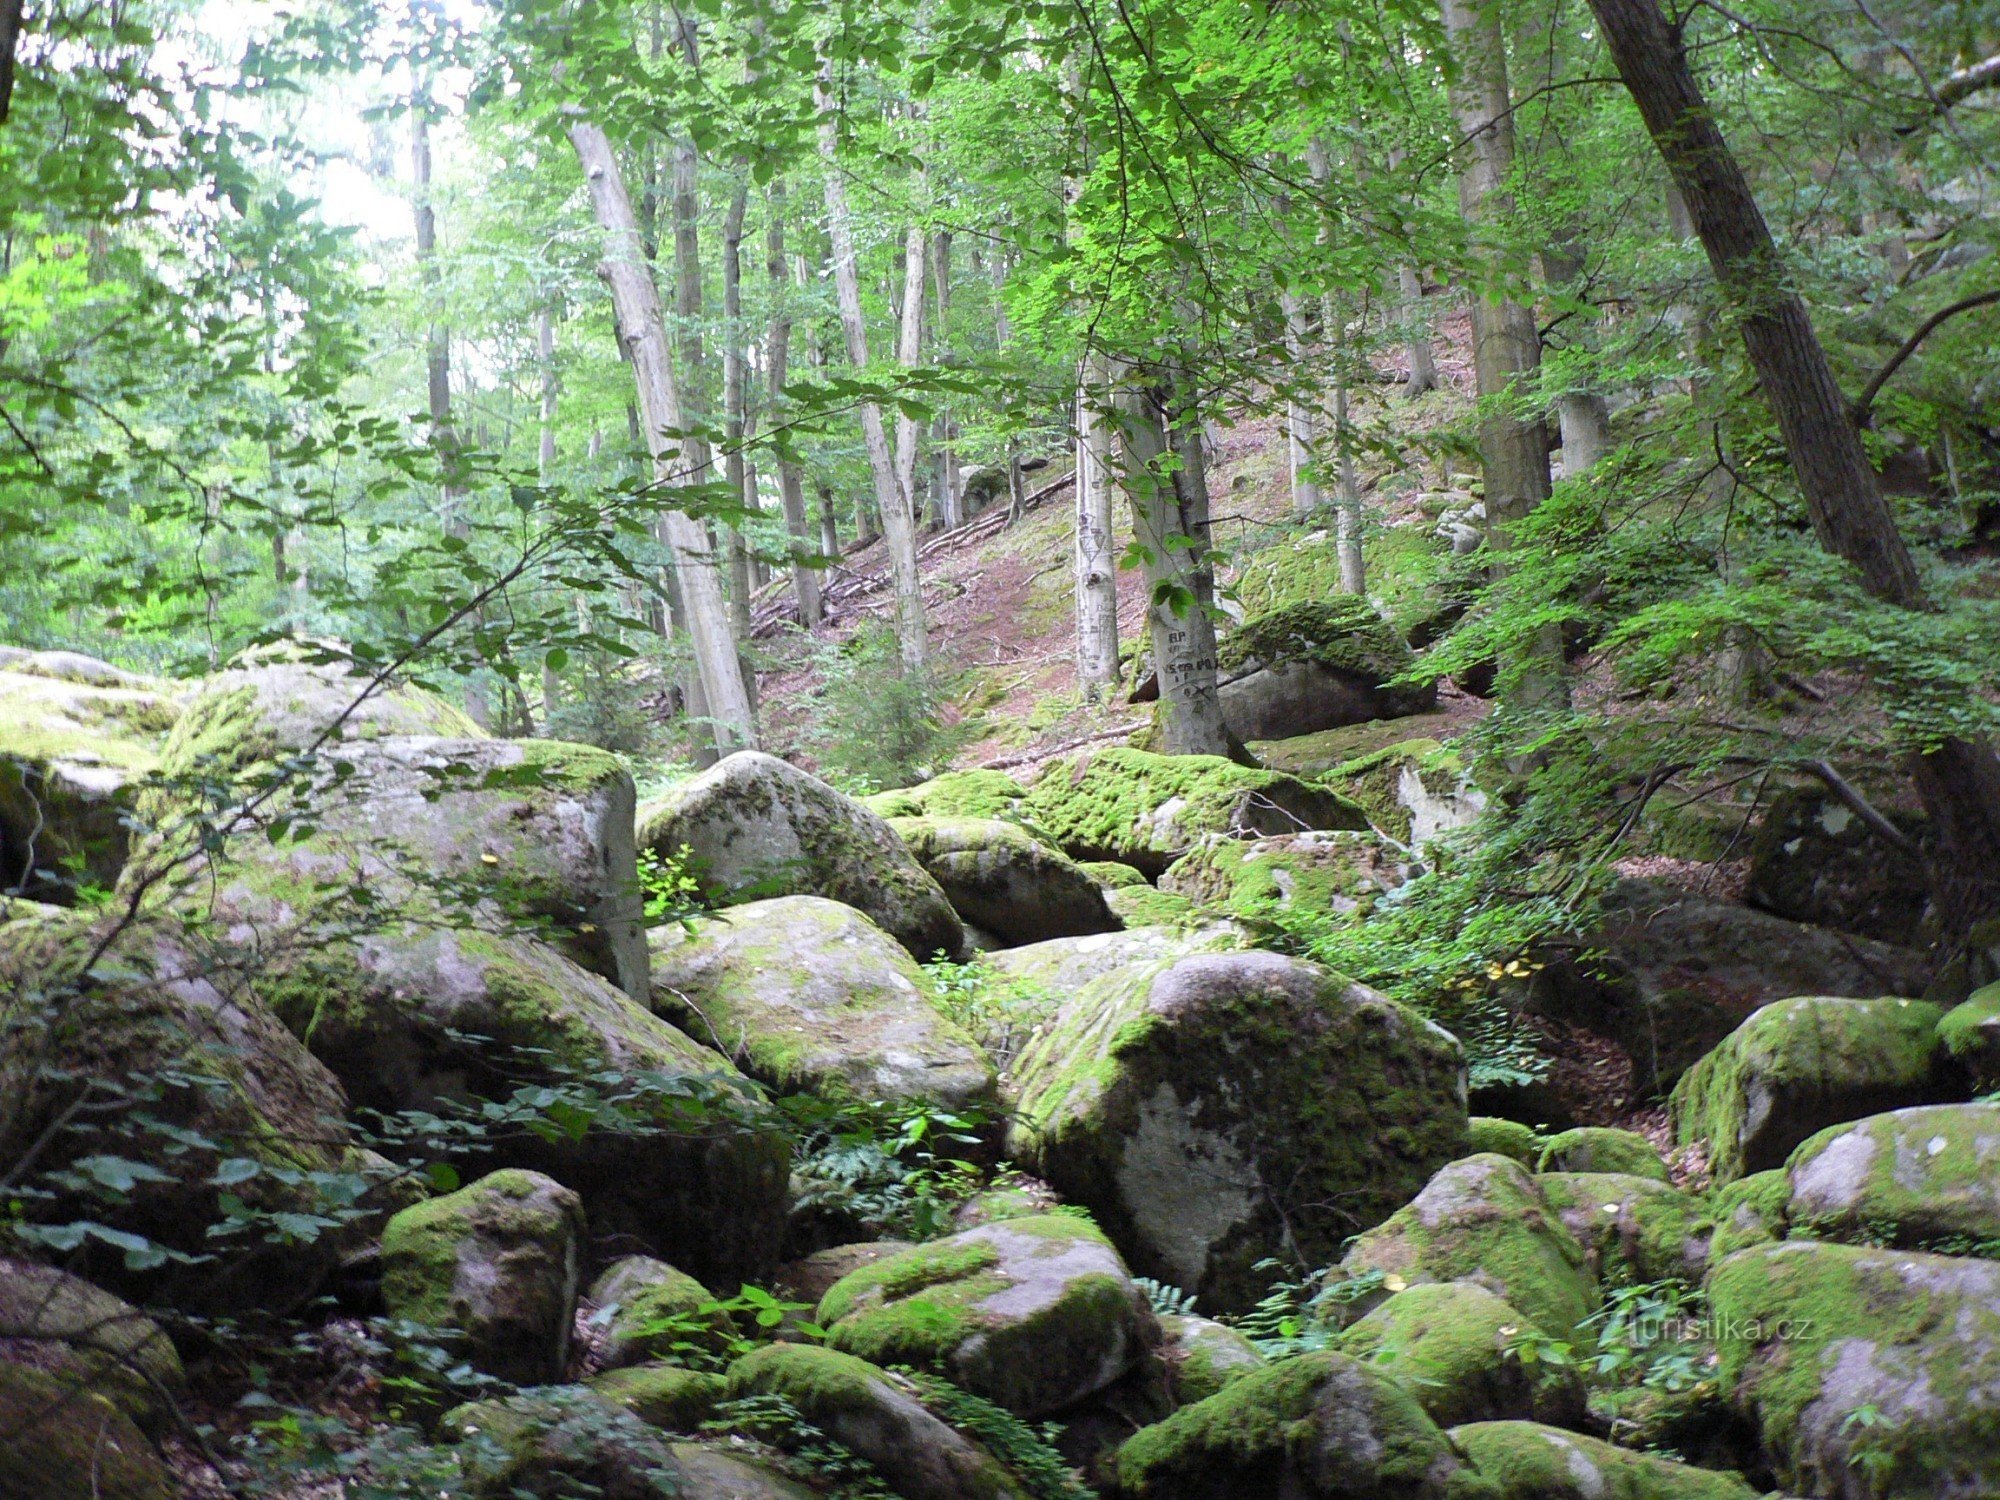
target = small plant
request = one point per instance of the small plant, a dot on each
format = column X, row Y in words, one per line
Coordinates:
column 885, row 1164
column 1301, row 1315
column 817, row 1457
column 1167, row 1301
column 1648, row 1335
column 669, row 888
column 1029, row 1454
column 877, row 722
column 994, row 1007
column 721, row 1331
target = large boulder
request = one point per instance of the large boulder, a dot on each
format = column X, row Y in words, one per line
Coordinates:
column 808, row 995
column 1814, row 860
column 493, row 1269
column 1451, row 1344
column 60, row 1441
column 1413, row 790
column 752, row 826
column 956, row 794
column 71, row 749
column 1319, row 1427
column 1148, row 810
column 671, row 1397
column 1530, row 1461
column 1219, row 1109
column 1926, row 1178
column 559, row 1442
column 879, row 1417
column 646, row 1310
column 1870, row 1374
column 1202, row 1356
column 165, row 1102
column 674, row 1150
column 1632, row 1228
column 1033, row 1314
column 1485, row 1220
column 1306, row 873
column 1970, row 1032
column 1002, row 879
column 89, row 1339
column 1670, row 973
column 1317, row 665
column 1798, row 1066
column 1599, row 1148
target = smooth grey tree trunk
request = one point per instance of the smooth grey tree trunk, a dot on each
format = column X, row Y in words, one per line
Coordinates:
column 1096, row 555
column 777, row 364
column 733, row 427
column 1301, row 414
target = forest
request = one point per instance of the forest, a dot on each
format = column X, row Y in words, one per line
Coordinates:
column 999, row 749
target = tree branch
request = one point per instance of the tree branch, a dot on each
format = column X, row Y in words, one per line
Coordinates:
column 1956, row 87
column 1869, row 392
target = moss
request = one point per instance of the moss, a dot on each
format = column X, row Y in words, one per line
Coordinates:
column 1596, row 1148
column 1408, row 572
column 1528, row 1461
column 1971, row 1034
column 89, row 1338
column 1257, row 880
column 1374, row 781
column 1749, row 1211
column 911, row 1272
column 561, row 1441
column 1320, row 1420
column 1632, row 1228
column 1109, row 872
column 1449, row 1344
column 1146, row 810
column 59, row 1443
column 1313, row 755
column 422, row 1245
column 557, row 763
column 648, row 1310
column 1926, row 1178
column 1340, row 631
column 1487, row 1133
column 956, row 794
column 820, row 1382
column 1798, row 1065
column 1203, row 1356
column 669, row 1397
column 1144, row 906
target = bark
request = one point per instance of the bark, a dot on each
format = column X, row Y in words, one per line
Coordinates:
column 545, row 357
column 910, row 354
column 1583, row 418
column 732, row 409
column 1096, row 559
column 898, row 525
column 777, row 363
column 1346, row 497
column 1416, row 332
column 10, row 41
column 1166, row 483
column 951, row 490
column 1301, row 415
column 642, row 329
column 1959, row 780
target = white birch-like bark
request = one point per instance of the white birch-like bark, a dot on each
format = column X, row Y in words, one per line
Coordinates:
column 1096, row 559
column 1301, row 415
column 777, row 367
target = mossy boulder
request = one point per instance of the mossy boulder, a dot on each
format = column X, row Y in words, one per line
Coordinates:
column 1027, row 985
column 1598, row 1148
column 1315, row 665
column 879, row 1417
column 1749, row 1211
column 753, row 827
column 1217, row 1109
column 71, row 751
column 1033, row 1314
column 1450, row 1343
column 89, row 1339
column 493, row 1268
column 811, row 1277
column 1489, row 1133
column 1631, row 1228
column 810, row 996
column 1148, row 906
column 670, row 1397
column 646, row 1310
column 686, row 1162
column 1259, row 880
column 1812, row 859
column 1485, row 1220
column 956, row 794
column 1530, row 1461
column 1926, row 1178
column 1322, row 1425
column 1002, row 879
column 1971, row 1034
column 1202, row 1356
column 62, row 1441
column 1148, row 810
column 147, row 1012
column 1798, row 1066
column 1015, row 1196
column 1112, row 875
column 555, row 1442
column 707, row 1473
column 1413, row 790
column 1669, row 974
column 1867, row 1372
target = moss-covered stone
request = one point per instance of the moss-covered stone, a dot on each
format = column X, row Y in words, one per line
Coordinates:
column 1312, row 665
column 1528, row 1461
column 1259, row 880
column 1004, row 880
column 956, row 794
column 1450, row 1344
column 1148, row 906
column 1202, row 1356
column 60, row 1441
column 1489, row 1133
column 1033, row 1314
column 1971, row 1034
column 672, row 1398
column 1340, row 630
column 1485, row 1220
column 1113, row 875
column 493, row 1268
column 753, row 827
column 1029, row 983
column 1413, row 790
column 88, row 1339
column 647, row 1310
column 1631, row 1228
column 1867, row 1372
column 1598, row 1148
column 1800, row 1065
column 877, row 1416
column 1313, row 755
column 708, row 1473
column 1014, row 1197
column 1749, row 1211
column 558, row 1441
column 1925, row 1178
column 1322, row 1425
column 1217, row 1109
column 1147, row 810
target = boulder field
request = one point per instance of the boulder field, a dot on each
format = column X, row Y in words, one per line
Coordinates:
column 1060, row 1179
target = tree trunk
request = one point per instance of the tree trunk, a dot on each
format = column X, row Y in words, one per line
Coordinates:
column 545, row 460
column 1582, row 415
column 910, row 354
column 898, row 525
column 1959, row 780
column 10, row 41
column 1506, row 345
column 732, row 407
column 777, row 361
column 951, row 488
column 1416, row 332
column 1167, row 488
column 642, row 328
column 1096, row 558
column 1346, row 496
column 1301, row 415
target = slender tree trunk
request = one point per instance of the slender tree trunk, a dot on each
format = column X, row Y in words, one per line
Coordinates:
column 1958, row 780
column 1346, row 494
column 777, row 361
column 642, row 328
column 545, row 459
column 951, row 490
column 1416, row 332
column 1096, row 559
column 1301, row 415
column 10, row 41
column 732, row 406
column 1506, row 345
column 898, row 525
column 1582, row 415
column 910, row 354
column 1165, row 481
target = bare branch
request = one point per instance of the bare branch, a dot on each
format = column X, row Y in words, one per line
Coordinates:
column 1869, row 392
